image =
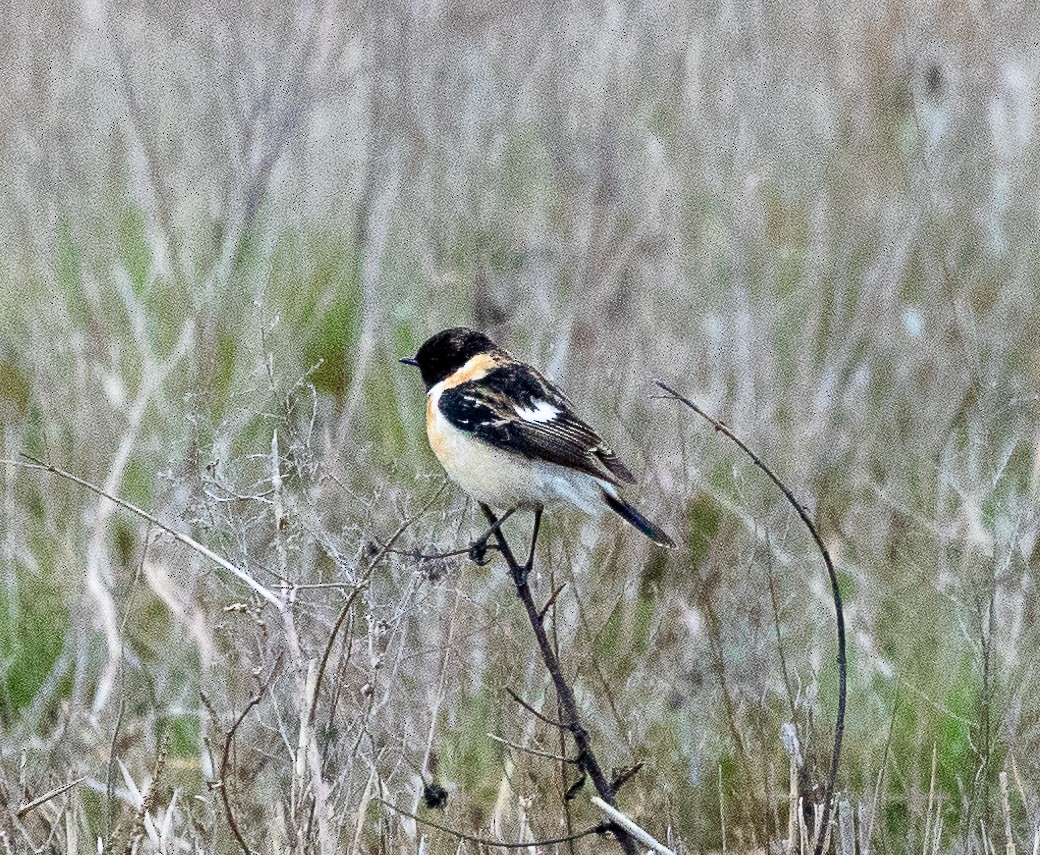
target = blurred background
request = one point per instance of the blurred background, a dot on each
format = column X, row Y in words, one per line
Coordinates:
column 221, row 225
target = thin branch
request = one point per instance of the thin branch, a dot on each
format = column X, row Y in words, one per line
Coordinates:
column 187, row 540
column 839, row 725
column 485, row 841
column 46, row 797
column 536, row 713
column 476, row 550
column 551, row 601
column 626, row 775
column 228, row 812
column 776, row 627
column 433, row 556
column 535, row 751
column 229, row 738
column 564, row 692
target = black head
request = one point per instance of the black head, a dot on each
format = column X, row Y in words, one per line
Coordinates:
column 447, row 351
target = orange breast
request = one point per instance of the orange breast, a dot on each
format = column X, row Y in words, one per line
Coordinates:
column 438, row 430
column 434, row 432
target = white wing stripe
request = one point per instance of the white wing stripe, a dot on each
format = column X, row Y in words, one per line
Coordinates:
column 542, row 412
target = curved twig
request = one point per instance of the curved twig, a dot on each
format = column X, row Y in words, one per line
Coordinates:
column 602, row 828
column 839, row 724
column 534, row 752
column 549, row 721
column 229, row 738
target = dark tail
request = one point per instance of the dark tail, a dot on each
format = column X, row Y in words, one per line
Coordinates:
column 636, row 519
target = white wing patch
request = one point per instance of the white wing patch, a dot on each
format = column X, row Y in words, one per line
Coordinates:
column 541, row 413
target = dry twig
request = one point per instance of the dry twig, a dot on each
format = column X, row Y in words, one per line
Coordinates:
column 497, row 844
column 46, row 797
column 627, row 823
column 187, row 540
column 225, row 753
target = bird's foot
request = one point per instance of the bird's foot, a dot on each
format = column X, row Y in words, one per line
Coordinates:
column 478, row 551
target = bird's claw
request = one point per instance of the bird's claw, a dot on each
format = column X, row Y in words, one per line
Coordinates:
column 478, row 552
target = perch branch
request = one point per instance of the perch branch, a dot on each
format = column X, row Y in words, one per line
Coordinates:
column 564, row 692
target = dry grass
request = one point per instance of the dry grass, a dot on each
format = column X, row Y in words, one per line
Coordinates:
column 221, row 226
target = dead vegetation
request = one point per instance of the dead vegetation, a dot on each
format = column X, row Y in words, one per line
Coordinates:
column 220, row 228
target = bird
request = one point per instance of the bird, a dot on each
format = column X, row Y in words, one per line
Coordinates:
column 511, row 439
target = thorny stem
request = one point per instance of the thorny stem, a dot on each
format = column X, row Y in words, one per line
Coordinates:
column 839, row 724
column 564, row 692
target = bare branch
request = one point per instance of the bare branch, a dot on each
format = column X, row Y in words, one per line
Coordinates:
column 625, row 775
column 533, row 751
column 564, row 692
column 229, row 738
column 551, row 601
column 536, row 713
column 187, row 540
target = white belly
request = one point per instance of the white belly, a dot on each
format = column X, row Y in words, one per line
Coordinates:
column 504, row 480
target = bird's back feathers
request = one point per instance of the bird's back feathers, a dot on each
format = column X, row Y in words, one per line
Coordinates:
column 514, row 408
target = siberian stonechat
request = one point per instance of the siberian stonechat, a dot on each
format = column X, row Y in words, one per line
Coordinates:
column 509, row 438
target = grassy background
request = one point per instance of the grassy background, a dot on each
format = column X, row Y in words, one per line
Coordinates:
column 224, row 225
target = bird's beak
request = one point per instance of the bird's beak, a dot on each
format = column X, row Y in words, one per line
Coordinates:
column 410, row 360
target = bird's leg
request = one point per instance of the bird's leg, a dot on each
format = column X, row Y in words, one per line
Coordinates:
column 478, row 549
column 534, row 540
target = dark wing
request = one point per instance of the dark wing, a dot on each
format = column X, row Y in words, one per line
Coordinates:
column 514, row 408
